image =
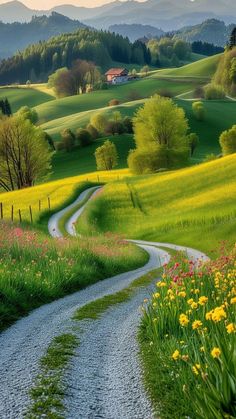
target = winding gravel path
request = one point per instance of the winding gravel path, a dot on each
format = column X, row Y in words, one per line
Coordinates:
column 104, row 380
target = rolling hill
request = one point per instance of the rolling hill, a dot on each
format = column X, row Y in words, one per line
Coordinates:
column 188, row 206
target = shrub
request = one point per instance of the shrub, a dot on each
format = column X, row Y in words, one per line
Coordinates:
column 128, row 125
column 115, row 127
column 114, row 102
column 83, row 137
column 214, row 91
column 165, row 93
column 228, row 141
column 210, row 157
column 68, row 140
column 199, row 111
column 93, row 131
column 99, row 121
column 198, row 92
column 106, row 156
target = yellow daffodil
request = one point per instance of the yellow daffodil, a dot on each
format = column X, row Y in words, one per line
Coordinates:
column 196, row 324
column 231, row 328
column 202, row 300
column 215, row 353
column 176, row 355
column 183, row 319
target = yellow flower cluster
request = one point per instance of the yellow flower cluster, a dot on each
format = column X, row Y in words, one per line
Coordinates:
column 183, row 319
column 217, row 314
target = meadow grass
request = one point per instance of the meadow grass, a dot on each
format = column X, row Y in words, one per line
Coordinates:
column 35, row 269
column 187, row 339
column 58, row 191
column 193, row 206
column 24, row 96
column 201, row 68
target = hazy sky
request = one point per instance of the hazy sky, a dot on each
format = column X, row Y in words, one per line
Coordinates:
column 47, row 4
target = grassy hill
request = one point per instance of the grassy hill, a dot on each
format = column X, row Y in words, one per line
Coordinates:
column 22, row 96
column 193, row 206
column 202, row 68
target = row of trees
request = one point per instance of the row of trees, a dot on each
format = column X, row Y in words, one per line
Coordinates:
column 5, row 107
column 82, row 76
column 37, row 61
column 168, row 51
column 225, row 75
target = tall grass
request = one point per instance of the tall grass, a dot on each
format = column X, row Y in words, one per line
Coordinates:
column 193, row 206
column 35, row 269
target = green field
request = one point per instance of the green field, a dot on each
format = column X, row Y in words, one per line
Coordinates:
column 82, row 161
column 193, row 206
column 202, row 68
column 22, row 96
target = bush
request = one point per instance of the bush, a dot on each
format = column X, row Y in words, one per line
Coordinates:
column 128, row 125
column 83, row 137
column 210, row 157
column 115, row 127
column 193, row 142
column 228, row 141
column 214, row 91
column 68, row 140
column 114, row 102
column 93, row 131
column 199, row 111
column 199, row 92
column 106, row 156
column 165, row 93
column 150, row 161
column 99, row 121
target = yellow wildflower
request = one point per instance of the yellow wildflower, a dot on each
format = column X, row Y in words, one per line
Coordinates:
column 183, row 319
column 202, row 349
column 196, row 324
column 185, row 358
column 218, row 314
column 203, row 300
column 194, row 305
column 196, row 291
column 161, row 284
column 190, row 301
column 176, row 355
column 156, row 295
column 195, row 370
column 215, row 353
column 233, row 300
column 231, row 328
column 182, row 294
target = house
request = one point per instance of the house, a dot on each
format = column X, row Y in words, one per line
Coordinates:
column 117, row 75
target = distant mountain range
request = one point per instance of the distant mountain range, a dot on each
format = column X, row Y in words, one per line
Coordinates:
column 136, row 31
column 165, row 14
column 18, row 35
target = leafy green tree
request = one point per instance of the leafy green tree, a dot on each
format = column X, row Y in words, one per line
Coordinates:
column 160, row 122
column 25, row 156
column 68, row 140
column 199, row 110
column 228, row 141
column 181, row 49
column 214, row 91
column 83, row 137
column 93, row 131
column 99, row 121
column 28, row 113
column 106, row 156
column 145, row 70
column 128, row 125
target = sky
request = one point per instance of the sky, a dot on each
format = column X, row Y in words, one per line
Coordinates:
column 47, row 4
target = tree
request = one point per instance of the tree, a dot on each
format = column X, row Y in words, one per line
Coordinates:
column 50, row 141
column 61, row 83
column 160, row 122
column 83, row 137
column 145, row 70
column 24, row 154
column 93, row 131
column 106, row 156
column 193, row 142
column 199, row 111
column 5, row 107
column 99, row 122
column 128, row 125
column 68, row 140
column 28, row 113
column 160, row 129
column 214, row 91
column 228, row 141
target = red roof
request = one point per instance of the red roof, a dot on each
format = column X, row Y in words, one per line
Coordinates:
column 117, row 72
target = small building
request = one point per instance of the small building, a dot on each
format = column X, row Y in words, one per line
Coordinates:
column 117, row 75
column 232, row 41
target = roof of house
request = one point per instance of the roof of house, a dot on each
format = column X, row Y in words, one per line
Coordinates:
column 117, row 72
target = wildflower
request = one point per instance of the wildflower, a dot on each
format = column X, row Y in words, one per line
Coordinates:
column 161, row 284
column 194, row 305
column 145, row 300
column 176, row 355
column 182, row 294
column 183, row 319
column 203, row 300
column 215, row 353
column 218, row 314
column 190, row 301
column 231, row 328
column 156, row 295
column 202, row 349
column 233, row 300
column 196, row 324
column 185, row 358
column 195, row 370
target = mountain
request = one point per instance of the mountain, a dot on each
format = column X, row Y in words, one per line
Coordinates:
column 165, row 14
column 18, row 35
column 212, row 31
column 136, row 31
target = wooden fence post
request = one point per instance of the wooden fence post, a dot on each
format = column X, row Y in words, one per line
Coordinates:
column 12, row 213
column 98, row 177
column 49, row 203
column 39, row 205
column 31, row 214
column 20, row 218
column 1, row 210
